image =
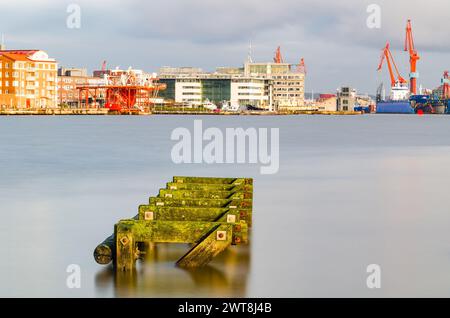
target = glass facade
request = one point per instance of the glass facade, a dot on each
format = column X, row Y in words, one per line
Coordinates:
column 169, row 92
column 216, row 90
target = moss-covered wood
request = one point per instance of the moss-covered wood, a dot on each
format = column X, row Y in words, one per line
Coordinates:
column 209, row 212
column 129, row 233
column 209, row 187
column 212, row 180
column 244, row 206
column 203, row 194
column 204, row 251
column 162, row 213
column 217, row 203
column 104, row 253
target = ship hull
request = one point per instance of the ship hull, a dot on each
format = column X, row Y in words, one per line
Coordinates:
column 394, row 108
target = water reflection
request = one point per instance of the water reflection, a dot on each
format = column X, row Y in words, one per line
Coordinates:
column 157, row 275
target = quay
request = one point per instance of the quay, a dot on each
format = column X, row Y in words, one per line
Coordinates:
column 105, row 111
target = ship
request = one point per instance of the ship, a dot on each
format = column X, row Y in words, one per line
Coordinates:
column 398, row 102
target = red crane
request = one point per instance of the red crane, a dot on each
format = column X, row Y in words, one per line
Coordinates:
column 413, row 58
column 387, row 55
column 301, row 68
column 445, row 86
column 104, row 66
column 278, row 58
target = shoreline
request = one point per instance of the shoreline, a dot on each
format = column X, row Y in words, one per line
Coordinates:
column 106, row 112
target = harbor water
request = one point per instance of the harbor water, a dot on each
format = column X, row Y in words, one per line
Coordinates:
column 350, row 191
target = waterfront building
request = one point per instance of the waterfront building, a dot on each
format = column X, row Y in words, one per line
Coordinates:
column 196, row 88
column 286, row 85
column 28, row 79
column 68, row 80
column 346, row 99
column 269, row 86
column 326, row 102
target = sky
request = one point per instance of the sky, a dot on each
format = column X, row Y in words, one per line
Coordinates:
column 332, row 36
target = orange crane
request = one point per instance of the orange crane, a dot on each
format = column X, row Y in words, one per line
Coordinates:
column 278, row 58
column 413, row 58
column 387, row 55
column 301, row 68
column 445, row 86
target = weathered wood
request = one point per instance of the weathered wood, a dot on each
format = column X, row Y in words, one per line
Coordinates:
column 190, row 210
column 209, row 187
column 208, row 214
column 105, row 252
column 204, row 251
column 201, row 194
column 244, row 206
column 212, row 180
column 130, row 232
column 217, row 203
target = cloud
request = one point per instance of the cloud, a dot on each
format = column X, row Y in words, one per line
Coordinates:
column 331, row 35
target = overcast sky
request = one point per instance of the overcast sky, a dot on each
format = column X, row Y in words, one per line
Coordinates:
column 332, row 36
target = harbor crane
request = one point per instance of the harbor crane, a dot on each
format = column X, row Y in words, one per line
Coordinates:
column 278, row 58
column 399, row 86
column 386, row 55
column 413, row 58
column 301, row 67
column 104, row 66
column 445, row 85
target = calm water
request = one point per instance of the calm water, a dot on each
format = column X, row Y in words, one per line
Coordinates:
column 351, row 191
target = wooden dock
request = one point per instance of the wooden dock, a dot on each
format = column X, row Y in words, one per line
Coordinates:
column 210, row 213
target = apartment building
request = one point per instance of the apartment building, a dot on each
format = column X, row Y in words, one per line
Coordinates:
column 69, row 79
column 28, row 79
column 286, row 86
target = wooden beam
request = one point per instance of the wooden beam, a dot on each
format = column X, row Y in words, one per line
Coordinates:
column 205, row 250
column 235, row 181
column 209, row 187
column 217, row 203
column 203, row 194
column 161, row 213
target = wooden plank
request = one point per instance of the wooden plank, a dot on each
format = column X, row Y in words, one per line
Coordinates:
column 208, row 187
column 236, row 181
column 217, row 203
column 200, row 194
column 162, row 213
column 205, row 250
